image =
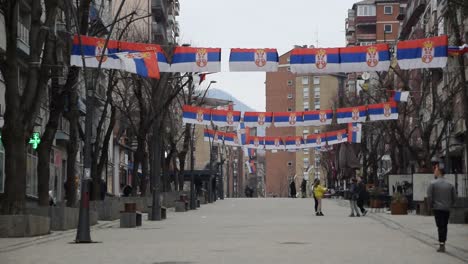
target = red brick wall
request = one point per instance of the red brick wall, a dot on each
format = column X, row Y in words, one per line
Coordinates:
column 277, row 90
column 391, row 19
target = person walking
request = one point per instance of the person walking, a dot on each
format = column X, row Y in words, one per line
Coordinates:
column 441, row 196
column 303, row 188
column 292, row 189
column 354, row 192
column 362, row 196
column 313, row 195
column 319, row 191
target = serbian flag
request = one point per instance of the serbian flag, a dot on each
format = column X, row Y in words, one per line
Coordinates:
column 288, row 119
column 315, row 140
column 255, row 142
column 422, row 53
column 190, row 59
column 365, row 58
column 311, row 60
column 196, row 115
column 274, row 143
column 458, row 50
column 225, row 117
column 383, row 111
column 354, row 132
column 258, row 119
column 142, row 63
column 400, row 96
column 241, row 134
column 231, row 139
column 318, row 117
column 294, row 142
column 93, row 49
column 265, row 60
column 214, row 136
column 337, row 137
column 351, row 114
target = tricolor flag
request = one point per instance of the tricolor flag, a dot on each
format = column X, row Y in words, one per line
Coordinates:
column 458, row 50
column 354, row 132
column 265, row 60
column 255, row 142
column 294, row 142
column 274, row 143
column 196, row 115
column 288, row 119
column 383, row 111
column 190, row 59
column 258, row 119
column 93, row 50
column 142, row 63
column 250, row 166
column 422, row 53
column 231, row 139
column 241, row 134
column 336, row 137
column 400, row 96
column 312, row 60
column 365, row 58
column 225, row 117
column 213, row 136
column 315, row 140
column 318, row 117
column 351, row 114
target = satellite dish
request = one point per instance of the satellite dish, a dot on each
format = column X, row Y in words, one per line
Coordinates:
column 365, row 76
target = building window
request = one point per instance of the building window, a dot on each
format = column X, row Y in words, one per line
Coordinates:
column 317, row 94
column 305, row 80
column 317, row 89
column 316, row 131
column 388, row 10
column 306, row 106
column 288, row 59
column 290, row 82
column 366, row 43
column 316, row 80
column 305, row 132
column 306, row 151
column 290, row 96
column 289, row 109
column 366, row 10
column 306, row 94
column 289, row 69
column 317, row 107
column 289, row 163
column 387, row 28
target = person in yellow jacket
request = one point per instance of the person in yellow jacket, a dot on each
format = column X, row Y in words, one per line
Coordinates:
column 319, row 191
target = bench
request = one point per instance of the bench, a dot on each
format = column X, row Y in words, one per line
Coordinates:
column 130, row 217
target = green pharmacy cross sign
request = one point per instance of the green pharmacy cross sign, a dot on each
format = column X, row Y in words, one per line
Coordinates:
column 35, row 140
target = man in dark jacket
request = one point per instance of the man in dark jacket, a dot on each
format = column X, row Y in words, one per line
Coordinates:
column 292, row 187
column 362, row 196
column 441, row 196
column 304, row 188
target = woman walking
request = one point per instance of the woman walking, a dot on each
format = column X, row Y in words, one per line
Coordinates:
column 319, row 190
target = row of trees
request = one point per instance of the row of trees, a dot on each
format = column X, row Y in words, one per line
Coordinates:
column 436, row 106
column 141, row 110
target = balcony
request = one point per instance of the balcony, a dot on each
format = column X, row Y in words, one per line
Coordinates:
column 62, row 136
column 176, row 7
column 176, row 29
column 367, row 37
column 159, row 10
column 365, row 20
column 159, row 32
column 23, row 38
column 171, row 19
column 413, row 11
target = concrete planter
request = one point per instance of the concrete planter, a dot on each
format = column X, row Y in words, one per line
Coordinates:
column 108, row 209
column 399, row 208
column 23, row 225
column 63, row 218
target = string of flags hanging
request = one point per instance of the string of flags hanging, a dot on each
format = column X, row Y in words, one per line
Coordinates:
column 229, row 118
column 148, row 60
column 352, row 135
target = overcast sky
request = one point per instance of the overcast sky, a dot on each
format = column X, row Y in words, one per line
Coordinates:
column 259, row 24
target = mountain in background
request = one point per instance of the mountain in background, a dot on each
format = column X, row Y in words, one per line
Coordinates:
column 238, row 105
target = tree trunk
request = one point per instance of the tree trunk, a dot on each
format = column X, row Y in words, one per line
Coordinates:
column 72, row 146
column 138, row 157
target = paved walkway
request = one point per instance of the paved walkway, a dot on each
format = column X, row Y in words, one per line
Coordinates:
column 251, row 231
